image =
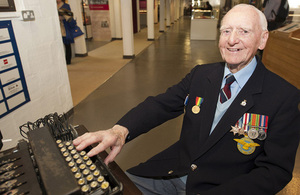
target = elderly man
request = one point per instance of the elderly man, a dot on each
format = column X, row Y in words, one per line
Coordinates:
column 241, row 122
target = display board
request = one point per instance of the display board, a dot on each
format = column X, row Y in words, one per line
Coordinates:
column 13, row 88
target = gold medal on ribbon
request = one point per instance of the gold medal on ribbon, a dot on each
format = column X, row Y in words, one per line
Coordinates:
column 196, row 108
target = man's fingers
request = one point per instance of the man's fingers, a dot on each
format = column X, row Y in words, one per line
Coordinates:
column 112, row 155
column 79, row 139
column 108, row 138
column 87, row 139
column 96, row 150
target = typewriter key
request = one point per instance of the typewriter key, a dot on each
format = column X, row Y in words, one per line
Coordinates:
column 74, row 169
column 85, row 188
column 94, row 185
column 60, row 145
column 79, row 161
column 93, row 167
column 71, row 164
column 85, row 158
column 85, row 172
column 82, row 153
column 70, row 148
column 81, row 181
column 68, row 159
column 68, row 143
column 90, row 178
column 96, row 173
column 76, row 156
column 63, row 150
column 78, row 175
column 58, row 141
column 89, row 163
column 73, row 151
column 100, row 179
column 82, row 166
column 105, row 185
column 66, row 154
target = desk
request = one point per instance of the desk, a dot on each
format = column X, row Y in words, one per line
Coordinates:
column 281, row 55
column 128, row 186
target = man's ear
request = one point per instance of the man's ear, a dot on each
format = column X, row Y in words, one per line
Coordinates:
column 263, row 39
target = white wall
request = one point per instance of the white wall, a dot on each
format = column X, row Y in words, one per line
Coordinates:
column 42, row 56
column 295, row 6
column 79, row 45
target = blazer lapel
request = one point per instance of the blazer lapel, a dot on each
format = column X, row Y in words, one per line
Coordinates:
column 236, row 110
column 209, row 106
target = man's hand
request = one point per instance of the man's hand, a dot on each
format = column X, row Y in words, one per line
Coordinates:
column 113, row 138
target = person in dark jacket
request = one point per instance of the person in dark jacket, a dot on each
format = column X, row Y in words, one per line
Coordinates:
column 65, row 17
column 240, row 130
column 270, row 9
column 208, row 6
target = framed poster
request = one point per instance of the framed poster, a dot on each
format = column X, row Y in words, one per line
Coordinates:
column 7, row 5
column 13, row 88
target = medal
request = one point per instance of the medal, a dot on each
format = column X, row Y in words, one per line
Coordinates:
column 262, row 135
column 196, row 108
column 253, row 133
column 246, row 145
column 255, row 125
column 235, row 129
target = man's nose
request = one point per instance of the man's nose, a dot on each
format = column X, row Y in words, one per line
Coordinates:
column 234, row 38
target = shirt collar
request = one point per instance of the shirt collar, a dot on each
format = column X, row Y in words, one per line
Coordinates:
column 244, row 74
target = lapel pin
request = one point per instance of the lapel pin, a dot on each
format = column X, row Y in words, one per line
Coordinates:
column 244, row 103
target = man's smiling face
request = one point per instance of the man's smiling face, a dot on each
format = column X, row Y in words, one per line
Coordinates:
column 241, row 36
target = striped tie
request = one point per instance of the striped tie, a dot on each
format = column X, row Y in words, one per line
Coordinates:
column 225, row 93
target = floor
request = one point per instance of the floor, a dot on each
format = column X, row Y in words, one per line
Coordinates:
column 163, row 63
column 104, row 59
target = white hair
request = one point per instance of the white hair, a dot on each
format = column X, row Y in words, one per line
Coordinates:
column 262, row 18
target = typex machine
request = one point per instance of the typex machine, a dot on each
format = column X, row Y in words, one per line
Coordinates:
column 46, row 162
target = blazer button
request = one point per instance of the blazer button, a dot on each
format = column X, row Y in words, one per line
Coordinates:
column 193, row 167
column 170, row 172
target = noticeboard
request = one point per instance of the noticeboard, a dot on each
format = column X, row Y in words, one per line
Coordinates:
column 13, row 88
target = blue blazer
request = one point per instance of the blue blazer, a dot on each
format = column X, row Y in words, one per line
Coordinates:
column 220, row 167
